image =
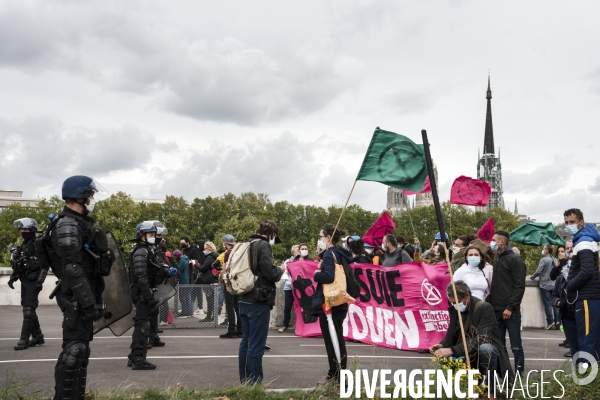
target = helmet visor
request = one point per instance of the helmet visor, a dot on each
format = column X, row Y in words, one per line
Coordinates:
column 25, row 223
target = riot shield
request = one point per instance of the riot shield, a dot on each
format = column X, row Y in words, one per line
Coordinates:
column 116, row 295
column 163, row 293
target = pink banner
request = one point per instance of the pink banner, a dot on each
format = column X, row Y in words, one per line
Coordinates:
column 402, row 307
column 426, row 189
column 383, row 226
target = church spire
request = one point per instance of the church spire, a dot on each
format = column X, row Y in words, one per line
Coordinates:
column 488, row 143
column 516, row 209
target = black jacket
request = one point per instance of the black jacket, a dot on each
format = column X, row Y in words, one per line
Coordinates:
column 266, row 271
column 193, row 253
column 362, row 259
column 557, row 271
column 559, row 294
column 508, row 285
column 327, row 275
column 205, row 269
column 480, row 327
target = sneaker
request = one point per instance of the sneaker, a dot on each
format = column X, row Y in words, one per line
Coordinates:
column 267, row 347
column 568, row 354
column 224, row 323
column 283, row 329
column 549, row 327
column 182, row 316
column 162, row 323
column 564, row 343
column 228, row 336
column 556, row 326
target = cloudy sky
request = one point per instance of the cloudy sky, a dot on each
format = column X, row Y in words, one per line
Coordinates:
column 202, row 98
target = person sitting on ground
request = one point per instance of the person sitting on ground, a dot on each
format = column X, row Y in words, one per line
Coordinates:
column 359, row 255
column 475, row 272
column 458, row 250
column 481, row 331
column 394, row 255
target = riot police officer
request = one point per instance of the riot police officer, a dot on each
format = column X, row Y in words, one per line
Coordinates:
column 77, row 242
column 161, row 260
column 31, row 271
column 145, row 275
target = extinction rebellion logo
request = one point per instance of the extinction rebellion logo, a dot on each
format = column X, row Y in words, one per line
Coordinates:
column 430, row 293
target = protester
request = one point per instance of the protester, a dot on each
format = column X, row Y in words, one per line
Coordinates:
column 507, row 290
column 406, row 247
column 437, row 240
column 544, row 269
column 475, row 272
column 567, row 311
column 393, row 255
column 439, row 255
column 196, row 257
column 185, row 295
column 298, row 252
column 325, row 274
column 481, row 331
column 458, row 250
column 583, row 282
column 559, row 263
column 359, row 255
column 255, row 306
column 232, row 308
column 208, row 278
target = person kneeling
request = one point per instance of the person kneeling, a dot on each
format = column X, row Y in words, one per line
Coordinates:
column 481, row 331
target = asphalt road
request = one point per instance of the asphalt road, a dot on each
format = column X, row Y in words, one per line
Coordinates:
column 198, row 358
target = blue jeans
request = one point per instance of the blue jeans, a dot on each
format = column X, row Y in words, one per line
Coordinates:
column 488, row 361
column 513, row 326
column 570, row 328
column 552, row 313
column 255, row 327
column 287, row 311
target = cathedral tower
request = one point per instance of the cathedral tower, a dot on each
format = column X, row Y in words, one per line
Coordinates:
column 489, row 168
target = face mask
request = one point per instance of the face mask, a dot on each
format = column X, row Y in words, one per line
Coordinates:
column 543, row 252
column 572, row 229
column 369, row 251
column 90, row 207
column 322, row 245
column 455, row 249
column 493, row 246
column 183, row 245
column 304, row 253
column 150, row 240
column 460, row 307
column 473, row 261
column 27, row 235
column 206, row 252
column 272, row 240
column 383, row 247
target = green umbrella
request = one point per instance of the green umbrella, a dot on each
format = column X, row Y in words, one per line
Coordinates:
column 536, row 234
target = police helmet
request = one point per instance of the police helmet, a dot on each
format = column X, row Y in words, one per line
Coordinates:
column 79, row 187
column 147, row 227
column 26, row 223
column 439, row 237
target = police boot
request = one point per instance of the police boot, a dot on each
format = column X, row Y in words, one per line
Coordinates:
column 138, row 361
column 23, row 342
column 156, row 342
column 37, row 337
column 68, row 372
column 83, row 377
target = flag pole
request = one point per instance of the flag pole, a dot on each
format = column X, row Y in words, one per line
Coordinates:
column 438, row 214
column 342, row 213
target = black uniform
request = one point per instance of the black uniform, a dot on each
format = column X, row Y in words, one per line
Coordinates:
column 79, row 299
column 28, row 269
column 160, row 260
column 144, row 274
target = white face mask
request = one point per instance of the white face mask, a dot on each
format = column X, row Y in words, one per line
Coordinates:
column 369, row 251
column 383, row 247
column 272, row 240
column 150, row 240
column 304, row 253
column 322, row 245
column 455, row 249
column 90, row 207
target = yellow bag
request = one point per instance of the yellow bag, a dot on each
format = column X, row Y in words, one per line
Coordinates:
column 335, row 292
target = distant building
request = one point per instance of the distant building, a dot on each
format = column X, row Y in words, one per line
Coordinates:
column 397, row 202
column 523, row 219
column 9, row 197
column 489, row 168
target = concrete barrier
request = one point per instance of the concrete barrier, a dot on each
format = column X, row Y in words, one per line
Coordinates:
column 10, row 297
column 532, row 306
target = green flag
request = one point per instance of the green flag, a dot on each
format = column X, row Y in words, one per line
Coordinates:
column 394, row 160
column 536, row 234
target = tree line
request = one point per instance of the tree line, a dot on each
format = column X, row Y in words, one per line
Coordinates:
column 211, row 218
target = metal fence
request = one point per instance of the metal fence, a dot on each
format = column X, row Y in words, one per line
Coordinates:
column 194, row 306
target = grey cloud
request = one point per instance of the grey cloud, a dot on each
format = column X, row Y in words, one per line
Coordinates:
column 41, row 151
column 541, row 179
column 550, row 207
column 223, row 80
column 409, row 102
column 595, row 188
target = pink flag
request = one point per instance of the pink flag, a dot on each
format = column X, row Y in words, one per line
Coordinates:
column 470, row 192
column 426, row 188
column 383, row 226
column 487, row 231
